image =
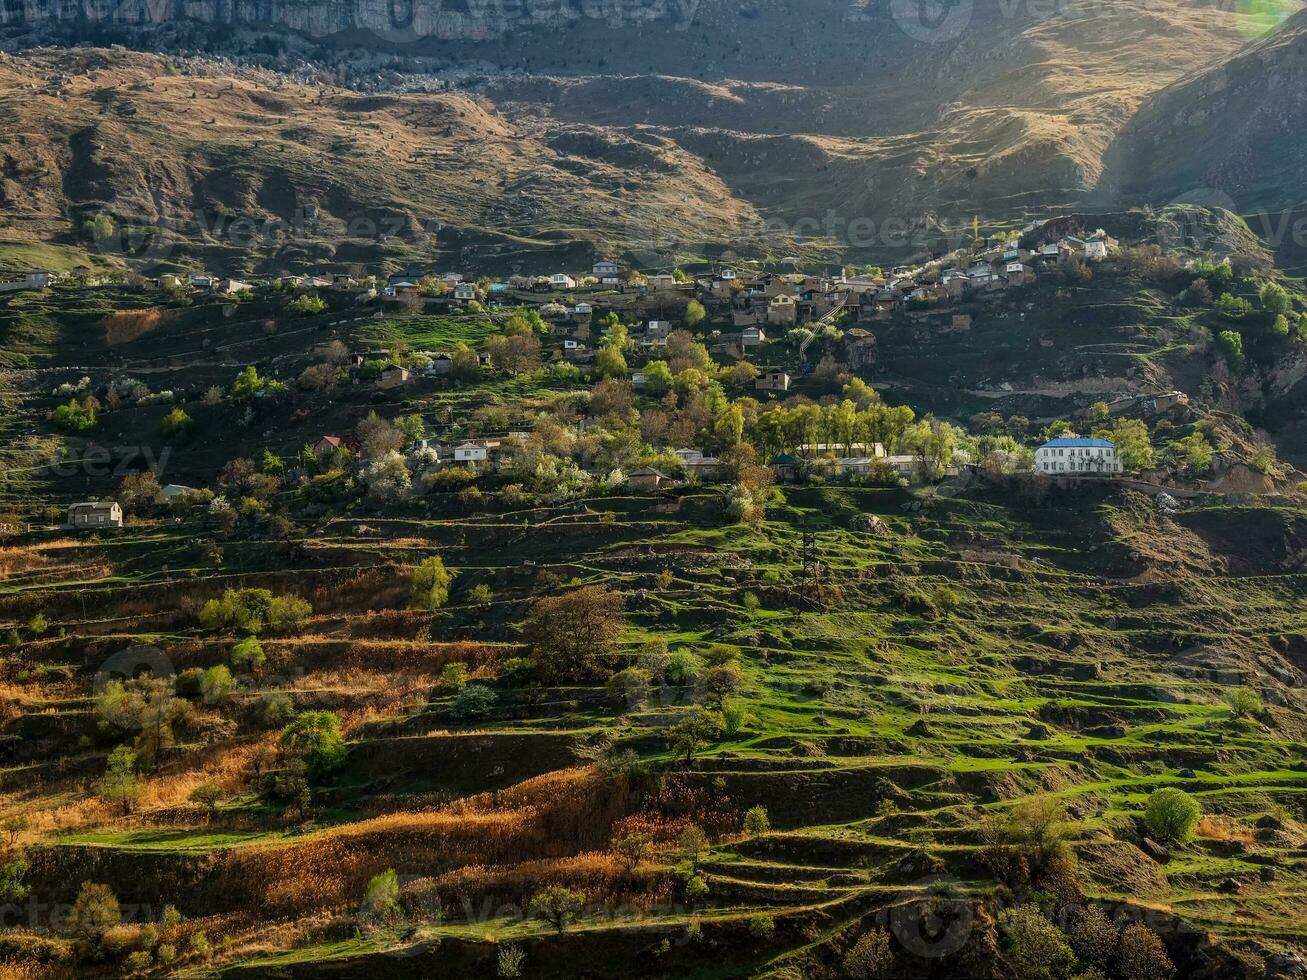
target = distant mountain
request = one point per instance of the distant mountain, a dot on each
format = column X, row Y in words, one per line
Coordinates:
column 865, row 129
column 1234, row 134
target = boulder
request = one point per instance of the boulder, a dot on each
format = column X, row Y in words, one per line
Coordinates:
column 1155, row 850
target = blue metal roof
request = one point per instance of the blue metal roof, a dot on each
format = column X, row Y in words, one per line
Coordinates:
column 1078, row 444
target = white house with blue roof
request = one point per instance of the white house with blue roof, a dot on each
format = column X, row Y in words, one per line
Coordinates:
column 1072, row 454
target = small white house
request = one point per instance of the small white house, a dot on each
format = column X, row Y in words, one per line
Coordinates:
column 772, row 381
column 582, row 309
column 95, row 514
column 753, row 337
column 602, row 269
column 471, row 452
column 465, row 290
column 1076, row 455
column 561, row 280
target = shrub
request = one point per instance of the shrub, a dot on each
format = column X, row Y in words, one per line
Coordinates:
column 272, row 709
column 1029, row 843
column 761, row 926
column 1093, row 936
column 139, row 962
column 871, row 957
column 306, row 305
column 629, row 687
column 248, row 654
column 454, row 677
column 517, row 672
column 681, row 668
column 474, row 701
column 381, row 897
column 510, row 961
column 1036, row 946
column 756, row 821
column 1171, row 814
column 1141, row 955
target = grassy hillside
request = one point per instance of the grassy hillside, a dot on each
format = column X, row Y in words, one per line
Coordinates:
column 809, row 728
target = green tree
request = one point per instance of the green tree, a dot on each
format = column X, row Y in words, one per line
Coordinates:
column 248, row 654
column 696, row 729
column 1244, row 703
column 429, row 584
column 93, row 911
column 314, row 737
column 694, row 313
column 1275, row 299
column 756, row 821
column 209, row 795
column 611, row 363
column 1134, row 449
column 1193, row 452
column 558, row 906
column 657, row 378
column 119, row 782
column 1171, row 814
column 1230, row 344
column 216, row 684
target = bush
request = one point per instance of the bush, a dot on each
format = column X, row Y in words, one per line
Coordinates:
column 756, row 821
column 1093, row 936
column 454, row 677
column 871, row 957
column 1036, row 946
column 517, row 672
column 1171, row 814
column 306, row 305
column 1141, row 955
column 761, row 926
column 629, row 687
column 381, row 897
column 474, row 701
column 510, row 961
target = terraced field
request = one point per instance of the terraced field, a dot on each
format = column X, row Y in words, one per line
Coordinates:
column 976, row 654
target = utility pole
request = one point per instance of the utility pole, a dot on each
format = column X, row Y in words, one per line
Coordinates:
column 810, row 570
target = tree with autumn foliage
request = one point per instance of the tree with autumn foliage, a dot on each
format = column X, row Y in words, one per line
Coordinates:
column 573, row 634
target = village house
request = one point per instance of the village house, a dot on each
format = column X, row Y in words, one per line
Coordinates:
column 662, row 281
column 603, row 269
column 703, row 468
column 647, row 478
column 772, row 381
column 95, row 514
column 782, row 311
column 29, row 280
column 751, row 337
column 174, row 490
column 465, row 291
column 471, row 452
column 392, row 376
column 227, row 287
column 785, row 468
column 1072, row 454
column 561, row 280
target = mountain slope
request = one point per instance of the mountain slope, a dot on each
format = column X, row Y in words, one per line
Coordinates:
column 1234, row 134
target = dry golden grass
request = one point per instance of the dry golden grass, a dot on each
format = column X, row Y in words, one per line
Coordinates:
column 1220, row 827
